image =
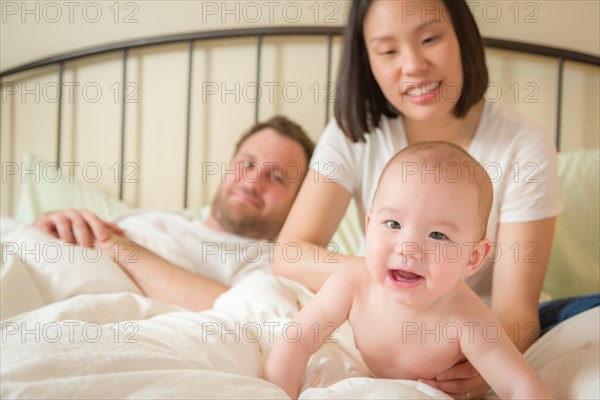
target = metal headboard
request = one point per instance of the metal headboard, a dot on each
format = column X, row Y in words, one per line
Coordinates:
column 561, row 55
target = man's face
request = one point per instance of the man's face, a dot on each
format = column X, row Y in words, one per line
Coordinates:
column 260, row 185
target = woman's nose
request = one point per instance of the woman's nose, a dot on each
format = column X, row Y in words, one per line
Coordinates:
column 413, row 60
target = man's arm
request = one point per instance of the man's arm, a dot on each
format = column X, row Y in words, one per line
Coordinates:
column 156, row 277
column 76, row 226
column 161, row 280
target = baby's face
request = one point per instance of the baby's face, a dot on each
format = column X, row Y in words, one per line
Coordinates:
column 421, row 232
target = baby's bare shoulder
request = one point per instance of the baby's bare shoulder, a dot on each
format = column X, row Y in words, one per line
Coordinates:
column 351, row 280
column 466, row 306
column 353, row 274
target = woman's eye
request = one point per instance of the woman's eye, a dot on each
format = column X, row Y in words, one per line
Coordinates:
column 248, row 164
column 392, row 224
column 429, row 39
column 438, row 236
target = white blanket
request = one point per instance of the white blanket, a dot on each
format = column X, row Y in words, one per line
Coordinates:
column 75, row 326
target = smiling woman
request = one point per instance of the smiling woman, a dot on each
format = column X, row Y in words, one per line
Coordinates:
column 418, row 44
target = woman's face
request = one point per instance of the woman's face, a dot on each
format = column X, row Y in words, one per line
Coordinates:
column 415, row 56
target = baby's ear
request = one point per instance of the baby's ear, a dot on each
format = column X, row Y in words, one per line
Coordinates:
column 367, row 220
column 478, row 254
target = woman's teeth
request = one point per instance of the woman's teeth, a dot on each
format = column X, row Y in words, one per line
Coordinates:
column 423, row 89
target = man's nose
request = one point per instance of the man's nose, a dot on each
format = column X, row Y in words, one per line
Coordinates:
column 252, row 179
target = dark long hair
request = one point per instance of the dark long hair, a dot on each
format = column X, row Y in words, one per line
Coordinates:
column 361, row 102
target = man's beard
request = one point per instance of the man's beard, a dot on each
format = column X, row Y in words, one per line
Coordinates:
column 236, row 220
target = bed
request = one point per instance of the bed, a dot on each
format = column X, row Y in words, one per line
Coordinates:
column 75, row 326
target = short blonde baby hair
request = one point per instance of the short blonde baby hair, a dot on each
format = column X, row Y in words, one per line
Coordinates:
column 439, row 156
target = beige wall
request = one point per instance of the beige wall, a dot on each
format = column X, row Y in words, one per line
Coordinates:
column 223, row 74
column 35, row 29
column 572, row 24
column 42, row 28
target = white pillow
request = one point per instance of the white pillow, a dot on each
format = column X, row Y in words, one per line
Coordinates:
column 42, row 195
column 575, row 260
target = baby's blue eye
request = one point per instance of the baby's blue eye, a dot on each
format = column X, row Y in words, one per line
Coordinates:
column 392, row 224
column 438, row 236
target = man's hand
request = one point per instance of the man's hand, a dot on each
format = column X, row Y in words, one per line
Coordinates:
column 77, row 226
column 156, row 277
column 122, row 250
column 462, row 381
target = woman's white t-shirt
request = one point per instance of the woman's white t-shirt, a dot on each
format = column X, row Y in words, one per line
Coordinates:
column 518, row 155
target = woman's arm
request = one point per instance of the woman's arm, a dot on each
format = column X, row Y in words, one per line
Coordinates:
column 310, row 225
column 519, row 275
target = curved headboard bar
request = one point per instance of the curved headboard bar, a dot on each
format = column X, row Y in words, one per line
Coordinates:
column 540, row 50
column 328, row 32
column 178, row 38
column 501, row 44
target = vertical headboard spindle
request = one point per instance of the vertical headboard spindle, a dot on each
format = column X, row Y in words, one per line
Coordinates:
column 124, row 56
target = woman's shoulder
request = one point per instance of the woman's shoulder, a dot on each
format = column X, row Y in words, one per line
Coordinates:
column 508, row 121
column 387, row 127
column 504, row 127
column 380, row 144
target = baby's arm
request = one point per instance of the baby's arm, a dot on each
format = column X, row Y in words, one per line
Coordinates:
column 317, row 321
column 499, row 362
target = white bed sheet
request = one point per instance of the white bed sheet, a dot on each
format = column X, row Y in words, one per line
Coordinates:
column 78, row 329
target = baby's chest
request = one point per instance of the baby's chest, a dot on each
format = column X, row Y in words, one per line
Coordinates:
column 405, row 349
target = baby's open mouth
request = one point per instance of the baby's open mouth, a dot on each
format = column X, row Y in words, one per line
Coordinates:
column 399, row 275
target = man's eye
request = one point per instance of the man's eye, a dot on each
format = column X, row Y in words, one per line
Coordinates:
column 438, row 236
column 392, row 224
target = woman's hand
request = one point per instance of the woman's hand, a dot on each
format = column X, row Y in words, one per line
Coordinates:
column 462, row 381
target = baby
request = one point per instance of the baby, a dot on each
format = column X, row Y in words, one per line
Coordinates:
column 411, row 314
